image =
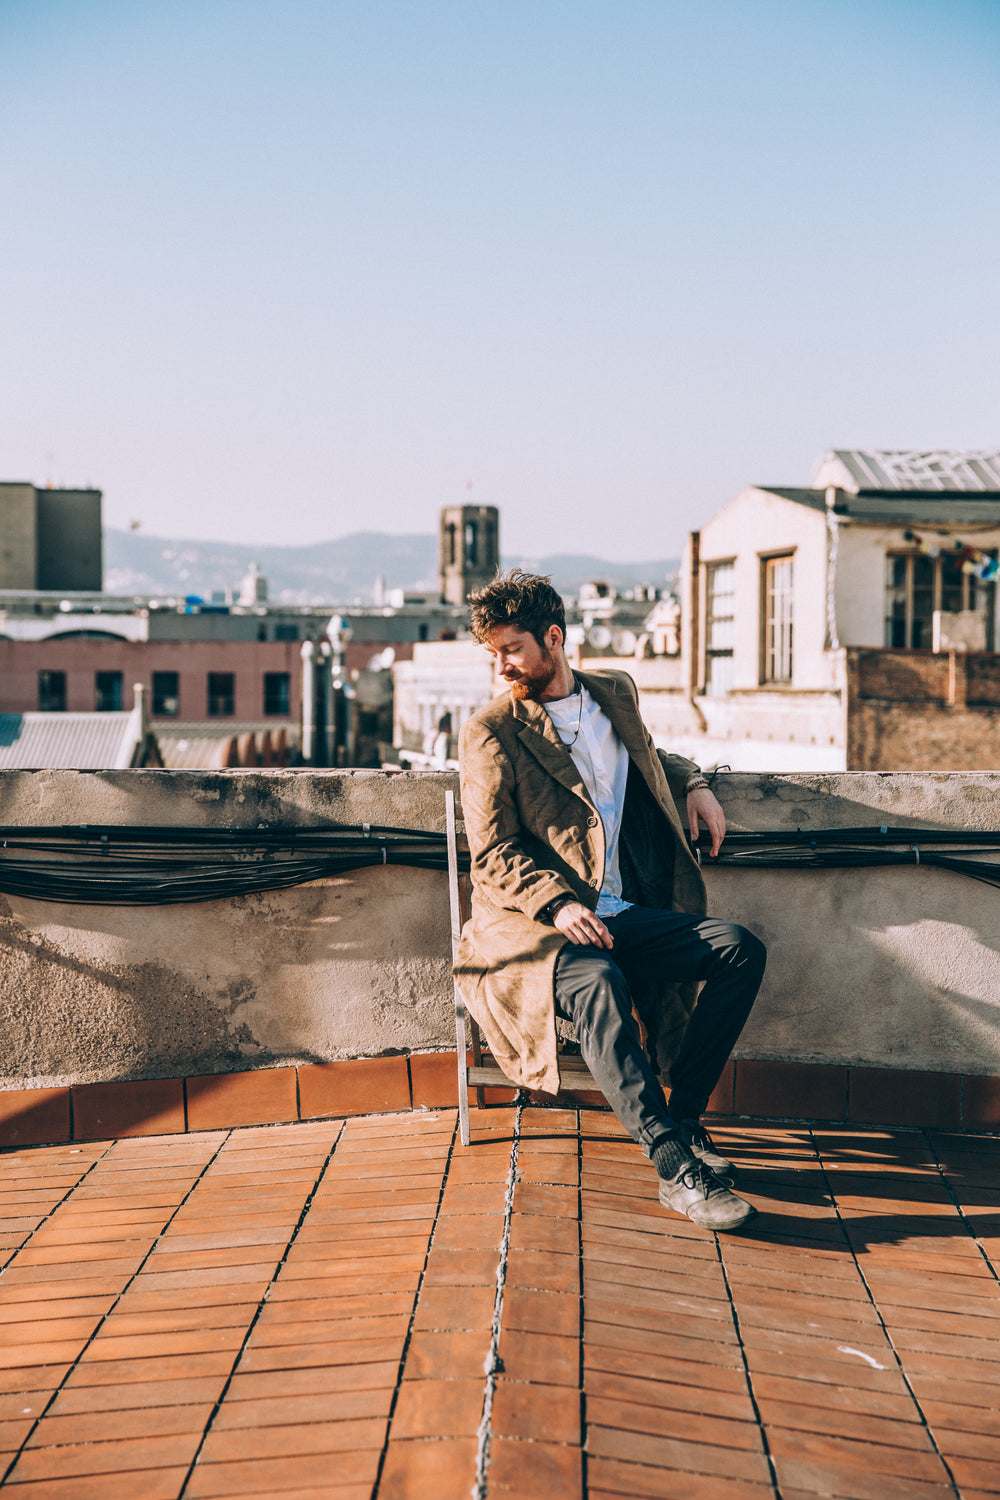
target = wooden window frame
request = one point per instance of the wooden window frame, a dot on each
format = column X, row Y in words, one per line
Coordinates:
column 777, row 656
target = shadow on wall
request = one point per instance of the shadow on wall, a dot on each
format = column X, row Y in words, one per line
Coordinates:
column 872, row 966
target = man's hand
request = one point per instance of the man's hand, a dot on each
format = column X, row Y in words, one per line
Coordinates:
column 704, row 807
column 581, row 926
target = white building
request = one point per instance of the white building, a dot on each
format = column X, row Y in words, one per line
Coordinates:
column 783, row 584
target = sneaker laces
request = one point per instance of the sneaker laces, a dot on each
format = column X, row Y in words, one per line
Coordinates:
column 696, row 1175
column 701, row 1138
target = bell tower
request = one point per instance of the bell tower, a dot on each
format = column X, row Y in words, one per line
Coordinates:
column 469, row 549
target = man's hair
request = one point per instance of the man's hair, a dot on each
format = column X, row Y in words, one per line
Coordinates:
column 525, row 600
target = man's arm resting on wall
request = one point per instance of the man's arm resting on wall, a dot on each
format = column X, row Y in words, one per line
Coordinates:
column 508, row 876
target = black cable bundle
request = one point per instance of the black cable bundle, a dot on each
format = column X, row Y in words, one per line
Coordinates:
column 864, row 848
column 106, row 865
column 95, row 865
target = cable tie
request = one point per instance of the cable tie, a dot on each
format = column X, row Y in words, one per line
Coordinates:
column 916, row 853
column 368, row 830
column 385, row 856
column 883, row 829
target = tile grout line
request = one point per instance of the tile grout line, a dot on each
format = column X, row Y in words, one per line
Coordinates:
column 65, row 1197
column 878, row 1313
column 960, row 1210
column 776, row 1487
column 413, row 1313
column 493, row 1365
column 260, row 1306
column 104, row 1317
column 582, row 1368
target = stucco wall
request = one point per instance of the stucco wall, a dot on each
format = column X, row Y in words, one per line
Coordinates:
column 897, row 968
column 757, row 524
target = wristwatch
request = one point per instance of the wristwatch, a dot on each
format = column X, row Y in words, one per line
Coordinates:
column 548, row 912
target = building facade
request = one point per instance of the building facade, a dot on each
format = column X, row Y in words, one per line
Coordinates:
column 790, row 595
column 50, row 538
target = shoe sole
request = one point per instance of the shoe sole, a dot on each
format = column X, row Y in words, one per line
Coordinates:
column 728, row 1228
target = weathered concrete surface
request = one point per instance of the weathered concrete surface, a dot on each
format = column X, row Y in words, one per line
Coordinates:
column 879, row 967
column 349, row 967
column 896, row 968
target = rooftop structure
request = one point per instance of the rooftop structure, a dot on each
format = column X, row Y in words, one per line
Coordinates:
column 113, row 740
column 859, row 469
column 49, row 538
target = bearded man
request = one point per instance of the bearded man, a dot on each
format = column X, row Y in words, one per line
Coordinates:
column 586, row 899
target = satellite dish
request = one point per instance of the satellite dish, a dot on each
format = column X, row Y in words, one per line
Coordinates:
column 382, row 661
column 599, row 636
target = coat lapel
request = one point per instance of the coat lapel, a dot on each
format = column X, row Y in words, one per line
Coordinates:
column 538, row 736
column 619, row 706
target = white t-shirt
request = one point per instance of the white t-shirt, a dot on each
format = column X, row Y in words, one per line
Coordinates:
column 602, row 761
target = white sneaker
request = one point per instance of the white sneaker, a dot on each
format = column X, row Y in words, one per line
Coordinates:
column 698, row 1193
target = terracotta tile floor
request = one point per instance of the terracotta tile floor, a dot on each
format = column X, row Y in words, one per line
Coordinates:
column 362, row 1308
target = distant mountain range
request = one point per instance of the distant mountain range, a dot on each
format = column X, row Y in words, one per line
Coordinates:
column 337, row 572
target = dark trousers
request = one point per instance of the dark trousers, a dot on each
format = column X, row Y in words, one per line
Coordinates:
column 594, row 988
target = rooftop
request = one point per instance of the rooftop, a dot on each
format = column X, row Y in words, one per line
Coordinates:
column 76, row 741
column 862, row 469
column 361, row 1307
column 901, row 507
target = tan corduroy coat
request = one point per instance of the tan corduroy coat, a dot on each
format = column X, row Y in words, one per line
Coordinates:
column 535, row 834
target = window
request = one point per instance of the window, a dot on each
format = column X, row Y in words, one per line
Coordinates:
column 108, row 692
column 777, row 619
column 276, row 692
column 52, row 692
column 166, row 694
column 917, row 584
column 719, row 627
column 286, row 632
column 221, row 695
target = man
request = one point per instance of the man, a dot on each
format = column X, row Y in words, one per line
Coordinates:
column 587, row 899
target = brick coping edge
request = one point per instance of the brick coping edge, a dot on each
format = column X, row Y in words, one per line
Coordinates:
column 821, row 1093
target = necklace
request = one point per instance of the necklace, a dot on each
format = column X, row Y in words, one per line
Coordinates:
column 579, row 723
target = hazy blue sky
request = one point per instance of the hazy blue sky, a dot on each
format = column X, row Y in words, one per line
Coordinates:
column 284, row 269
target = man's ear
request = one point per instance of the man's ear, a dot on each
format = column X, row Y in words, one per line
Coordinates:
column 554, row 637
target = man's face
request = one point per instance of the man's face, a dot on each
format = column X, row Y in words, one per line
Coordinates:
column 521, row 661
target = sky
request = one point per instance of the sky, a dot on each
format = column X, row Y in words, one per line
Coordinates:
column 282, row 270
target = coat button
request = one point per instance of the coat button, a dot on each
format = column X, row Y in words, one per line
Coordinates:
column 591, row 822
column 593, row 882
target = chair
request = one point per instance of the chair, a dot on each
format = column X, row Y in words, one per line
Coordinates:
column 573, row 1072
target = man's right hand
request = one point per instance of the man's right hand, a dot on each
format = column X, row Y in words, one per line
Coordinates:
column 581, row 926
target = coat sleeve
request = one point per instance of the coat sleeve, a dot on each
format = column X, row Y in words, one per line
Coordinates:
column 677, row 770
column 503, row 869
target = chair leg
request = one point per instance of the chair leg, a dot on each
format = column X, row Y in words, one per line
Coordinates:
column 477, row 1059
column 455, row 904
column 463, row 1069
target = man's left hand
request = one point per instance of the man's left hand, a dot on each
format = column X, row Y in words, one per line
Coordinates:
column 704, row 807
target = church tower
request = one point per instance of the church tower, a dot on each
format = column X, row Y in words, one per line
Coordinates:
column 469, row 549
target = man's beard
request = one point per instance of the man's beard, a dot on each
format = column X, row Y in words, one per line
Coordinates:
column 531, row 685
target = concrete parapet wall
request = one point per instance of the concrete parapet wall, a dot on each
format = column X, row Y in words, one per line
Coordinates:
column 876, row 968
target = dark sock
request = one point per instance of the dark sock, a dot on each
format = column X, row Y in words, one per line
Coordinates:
column 669, row 1155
